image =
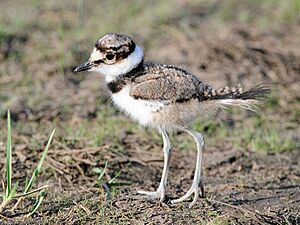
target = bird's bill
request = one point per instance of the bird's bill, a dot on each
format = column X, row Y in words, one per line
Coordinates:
column 84, row 67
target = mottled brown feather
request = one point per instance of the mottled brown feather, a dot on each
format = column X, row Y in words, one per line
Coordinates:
column 167, row 83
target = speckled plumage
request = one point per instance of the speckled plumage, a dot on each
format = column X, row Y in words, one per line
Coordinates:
column 159, row 82
column 167, row 83
column 162, row 96
column 113, row 41
column 116, row 45
column 170, row 84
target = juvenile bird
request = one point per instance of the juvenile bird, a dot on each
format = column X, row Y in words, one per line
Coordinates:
column 162, row 96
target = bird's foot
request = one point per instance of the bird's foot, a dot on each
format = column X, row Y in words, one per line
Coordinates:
column 194, row 189
column 159, row 193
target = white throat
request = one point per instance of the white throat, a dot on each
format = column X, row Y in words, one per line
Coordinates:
column 111, row 72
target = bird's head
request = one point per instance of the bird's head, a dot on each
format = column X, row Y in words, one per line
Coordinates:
column 113, row 55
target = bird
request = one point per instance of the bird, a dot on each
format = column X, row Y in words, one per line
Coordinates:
column 163, row 97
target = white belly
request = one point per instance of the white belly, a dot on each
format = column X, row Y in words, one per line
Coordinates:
column 140, row 110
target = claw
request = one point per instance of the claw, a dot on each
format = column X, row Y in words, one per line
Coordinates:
column 202, row 193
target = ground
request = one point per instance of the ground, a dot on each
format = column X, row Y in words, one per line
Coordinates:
column 251, row 171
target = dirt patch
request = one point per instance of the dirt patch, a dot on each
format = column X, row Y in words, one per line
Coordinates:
column 241, row 187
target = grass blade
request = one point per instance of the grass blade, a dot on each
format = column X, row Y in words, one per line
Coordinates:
column 31, row 192
column 13, row 191
column 114, row 178
column 28, row 185
column 99, row 179
column 39, row 166
column 8, row 157
column 40, row 198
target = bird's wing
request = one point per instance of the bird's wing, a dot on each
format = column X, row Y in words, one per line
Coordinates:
column 168, row 87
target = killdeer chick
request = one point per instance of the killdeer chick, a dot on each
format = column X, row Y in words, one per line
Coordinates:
column 161, row 96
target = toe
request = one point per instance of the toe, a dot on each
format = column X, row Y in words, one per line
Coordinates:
column 195, row 199
column 141, row 192
column 194, row 190
column 153, row 194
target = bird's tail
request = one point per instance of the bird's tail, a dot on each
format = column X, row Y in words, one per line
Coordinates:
column 237, row 97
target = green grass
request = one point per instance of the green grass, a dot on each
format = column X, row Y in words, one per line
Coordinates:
column 93, row 17
column 110, row 186
column 273, row 141
column 255, row 133
column 261, row 138
column 104, row 129
column 73, row 34
column 10, row 191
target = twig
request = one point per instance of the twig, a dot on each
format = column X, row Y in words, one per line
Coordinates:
column 62, row 145
column 213, row 221
column 2, row 216
column 79, row 169
column 75, row 151
column 232, row 206
column 9, row 79
column 287, row 220
column 127, row 160
column 255, row 214
column 86, row 215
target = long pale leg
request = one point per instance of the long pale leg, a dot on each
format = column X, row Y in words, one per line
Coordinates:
column 199, row 139
column 161, row 190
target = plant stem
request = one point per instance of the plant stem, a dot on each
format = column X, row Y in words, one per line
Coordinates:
column 2, row 206
column 17, row 203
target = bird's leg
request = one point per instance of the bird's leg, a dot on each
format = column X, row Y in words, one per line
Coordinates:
column 199, row 139
column 161, row 190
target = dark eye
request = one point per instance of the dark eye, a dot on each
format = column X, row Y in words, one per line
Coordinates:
column 110, row 56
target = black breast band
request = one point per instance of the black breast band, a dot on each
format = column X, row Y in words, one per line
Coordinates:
column 121, row 81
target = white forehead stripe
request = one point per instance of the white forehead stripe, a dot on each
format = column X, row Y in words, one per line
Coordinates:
column 96, row 55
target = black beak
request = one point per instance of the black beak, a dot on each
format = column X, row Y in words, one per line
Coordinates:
column 84, row 67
